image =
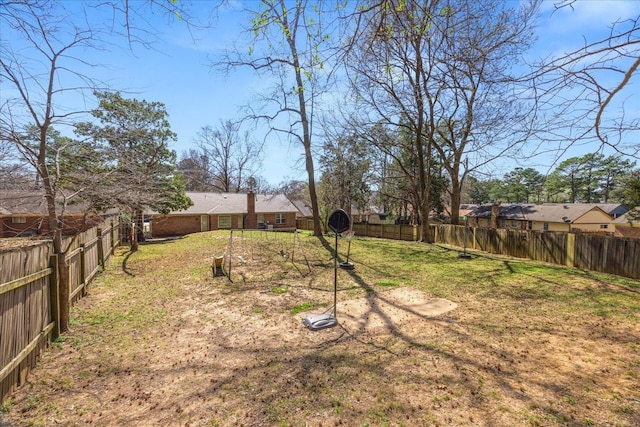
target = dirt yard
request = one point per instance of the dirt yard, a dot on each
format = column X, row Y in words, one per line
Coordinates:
column 160, row 342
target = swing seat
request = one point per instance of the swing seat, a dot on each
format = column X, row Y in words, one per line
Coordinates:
column 315, row 322
column 216, row 265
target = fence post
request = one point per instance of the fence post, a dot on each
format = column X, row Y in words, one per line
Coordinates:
column 474, row 237
column 83, row 274
column 112, row 237
column 54, row 298
column 571, row 250
column 100, row 249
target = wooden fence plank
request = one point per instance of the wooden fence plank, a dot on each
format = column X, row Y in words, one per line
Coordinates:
column 29, row 299
column 6, row 287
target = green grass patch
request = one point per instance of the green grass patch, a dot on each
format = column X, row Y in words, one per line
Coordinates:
column 388, row 283
column 305, row 306
column 279, row 290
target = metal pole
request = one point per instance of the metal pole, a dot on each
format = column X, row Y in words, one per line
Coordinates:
column 465, row 234
column 335, row 278
column 230, row 254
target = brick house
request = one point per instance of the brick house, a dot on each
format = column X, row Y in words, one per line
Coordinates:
column 230, row 211
column 546, row 217
column 23, row 213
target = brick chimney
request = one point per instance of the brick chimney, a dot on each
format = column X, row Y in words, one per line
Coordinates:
column 495, row 212
column 252, row 219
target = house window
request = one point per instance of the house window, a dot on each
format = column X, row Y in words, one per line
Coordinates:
column 546, row 226
column 19, row 220
column 260, row 220
column 604, row 226
column 514, row 224
column 281, row 218
column 503, row 223
column 224, row 221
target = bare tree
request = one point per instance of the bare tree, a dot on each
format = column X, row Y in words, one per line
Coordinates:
column 588, row 94
column 14, row 170
column 44, row 71
column 260, row 185
column 436, row 71
column 294, row 190
column 481, row 119
column 288, row 48
column 231, row 155
column 194, row 166
column 395, row 85
column 34, row 74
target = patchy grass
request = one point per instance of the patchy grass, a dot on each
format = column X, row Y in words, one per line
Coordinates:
column 306, row 306
column 159, row 341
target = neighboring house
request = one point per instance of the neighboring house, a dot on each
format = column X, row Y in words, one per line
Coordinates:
column 304, row 210
column 498, row 216
column 230, row 211
column 613, row 209
column 626, row 227
column 545, row 217
column 570, row 217
column 371, row 214
column 24, row 214
column 465, row 211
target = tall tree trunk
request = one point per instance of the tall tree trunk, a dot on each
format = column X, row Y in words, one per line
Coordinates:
column 456, row 189
column 133, row 236
column 63, row 291
column 306, row 136
column 56, row 228
column 317, row 226
column 139, row 224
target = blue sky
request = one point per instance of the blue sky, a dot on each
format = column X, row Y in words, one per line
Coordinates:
column 570, row 28
column 177, row 74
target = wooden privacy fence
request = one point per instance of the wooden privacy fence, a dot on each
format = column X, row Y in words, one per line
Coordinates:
column 29, row 297
column 384, row 231
column 608, row 254
column 537, row 246
column 605, row 254
column 387, row 231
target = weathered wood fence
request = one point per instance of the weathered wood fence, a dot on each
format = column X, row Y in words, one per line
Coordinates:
column 605, row 254
column 29, row 297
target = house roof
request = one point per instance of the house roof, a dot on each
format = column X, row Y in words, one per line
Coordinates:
column 568, row 213
column 303, row 208
column 235, row 203
column 629, row 232
column 624, row 220
column 22, row 202
column 506, row 211
column 215, row 203
column 613, row 209
column 28, row 202
column 464, row 210
column 273, row 203
column 548, row 212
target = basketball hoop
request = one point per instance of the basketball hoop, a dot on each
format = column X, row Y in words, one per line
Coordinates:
column 338, row 223
column 348, row 234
